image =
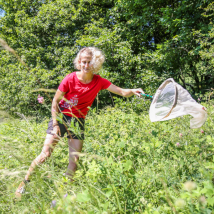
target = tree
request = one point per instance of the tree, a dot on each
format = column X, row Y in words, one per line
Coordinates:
column 179, row 56
column 205, row 39
column 144, row 42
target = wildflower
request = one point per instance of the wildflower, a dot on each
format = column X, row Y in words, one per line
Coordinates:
column 204, row 108
column 40, row 99
column 177, row 144
column 180, row 203
column 189, row 186
column 53, row 203
column 180, row 135
column 65, row 196
column 203, row 200
column 199, row 99
column 143, row 200
column 202, row 131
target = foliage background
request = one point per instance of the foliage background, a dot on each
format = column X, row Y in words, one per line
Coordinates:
column 144, row 43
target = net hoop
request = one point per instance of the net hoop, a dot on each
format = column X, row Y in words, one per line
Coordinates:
column 171, row 100
column 157, row 94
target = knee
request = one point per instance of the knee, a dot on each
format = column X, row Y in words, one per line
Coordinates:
column 55, row 137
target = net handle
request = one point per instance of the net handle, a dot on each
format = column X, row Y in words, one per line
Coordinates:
column 146, row 95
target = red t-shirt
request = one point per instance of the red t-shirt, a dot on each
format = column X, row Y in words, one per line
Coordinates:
column 80, row 96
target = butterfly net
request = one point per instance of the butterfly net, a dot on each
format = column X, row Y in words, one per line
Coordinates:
column 171, row 100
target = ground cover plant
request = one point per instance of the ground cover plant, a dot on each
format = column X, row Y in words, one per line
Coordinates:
column 128, row 165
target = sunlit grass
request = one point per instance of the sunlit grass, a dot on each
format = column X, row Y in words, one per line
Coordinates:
column 128, row 165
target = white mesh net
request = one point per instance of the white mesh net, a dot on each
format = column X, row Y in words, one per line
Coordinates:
column 172, row 100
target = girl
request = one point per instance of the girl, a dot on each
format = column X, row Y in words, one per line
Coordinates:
column 75, row 94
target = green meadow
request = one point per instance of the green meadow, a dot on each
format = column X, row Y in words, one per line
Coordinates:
column 128, row 165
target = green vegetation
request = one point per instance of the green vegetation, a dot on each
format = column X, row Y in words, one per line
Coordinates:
column 128, row 165
column 144, row 42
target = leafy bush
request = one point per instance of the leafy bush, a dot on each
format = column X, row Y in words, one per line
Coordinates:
column 144, row 42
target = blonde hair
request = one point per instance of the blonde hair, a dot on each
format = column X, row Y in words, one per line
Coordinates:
column 97, row 58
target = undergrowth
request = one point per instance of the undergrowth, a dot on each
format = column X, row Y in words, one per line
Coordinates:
column 128, row 165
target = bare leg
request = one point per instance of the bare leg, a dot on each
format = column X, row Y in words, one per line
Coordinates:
column 50, row 143
column 75, row 145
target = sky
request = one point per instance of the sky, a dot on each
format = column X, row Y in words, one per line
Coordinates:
column 2, row 13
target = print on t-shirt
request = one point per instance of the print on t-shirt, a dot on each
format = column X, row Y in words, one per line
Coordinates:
column 71, row 102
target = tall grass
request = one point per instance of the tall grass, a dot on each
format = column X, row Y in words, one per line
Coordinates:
column 128, row 165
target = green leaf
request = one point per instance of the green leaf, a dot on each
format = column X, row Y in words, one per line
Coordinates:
column 127, row 165
column 122, row 144
column 210, row 201
column 84, row 196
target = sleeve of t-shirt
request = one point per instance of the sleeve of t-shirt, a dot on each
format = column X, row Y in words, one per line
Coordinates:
column 105, row 83
column 64, row 84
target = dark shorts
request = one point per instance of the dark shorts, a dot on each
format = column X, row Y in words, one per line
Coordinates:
column 74, row 127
